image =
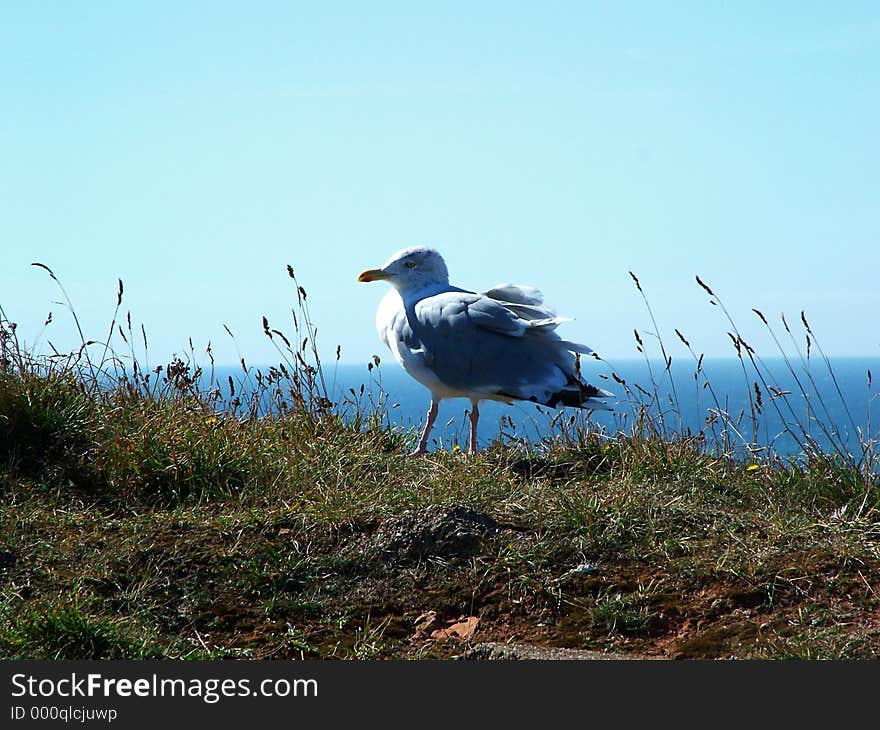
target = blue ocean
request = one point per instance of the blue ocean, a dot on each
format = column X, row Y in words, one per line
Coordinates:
column 774, row 406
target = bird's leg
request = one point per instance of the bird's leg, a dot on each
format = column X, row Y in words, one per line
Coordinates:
column 422, row 448
column 475, row 416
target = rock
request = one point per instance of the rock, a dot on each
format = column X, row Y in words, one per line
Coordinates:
column 463, row 629
column 582, row 569
column 424, row 623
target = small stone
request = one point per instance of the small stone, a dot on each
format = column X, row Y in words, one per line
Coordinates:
column 463, row 629
column 584, row 569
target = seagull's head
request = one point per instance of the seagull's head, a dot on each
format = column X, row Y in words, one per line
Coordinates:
column 411, row 268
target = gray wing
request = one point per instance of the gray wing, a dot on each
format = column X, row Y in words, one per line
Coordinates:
column 482, row 345
column 527, row 302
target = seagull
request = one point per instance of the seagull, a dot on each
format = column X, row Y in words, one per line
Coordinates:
column 499, row 345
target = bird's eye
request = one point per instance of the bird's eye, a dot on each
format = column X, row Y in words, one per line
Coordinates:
column 410, row 264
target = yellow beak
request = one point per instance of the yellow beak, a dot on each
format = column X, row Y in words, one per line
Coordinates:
column 373, row 275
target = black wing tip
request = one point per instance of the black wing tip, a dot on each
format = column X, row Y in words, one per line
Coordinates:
column 586, row 397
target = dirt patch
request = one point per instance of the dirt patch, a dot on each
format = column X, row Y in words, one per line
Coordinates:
column 443, row 531
column 723, row 641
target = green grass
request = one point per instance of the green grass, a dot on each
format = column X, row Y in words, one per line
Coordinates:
column 145, row 515
column 65, row 630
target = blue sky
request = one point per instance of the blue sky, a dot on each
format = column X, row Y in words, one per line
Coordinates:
column 196, row 149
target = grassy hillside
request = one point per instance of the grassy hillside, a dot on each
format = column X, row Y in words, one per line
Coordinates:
column 144, row 515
